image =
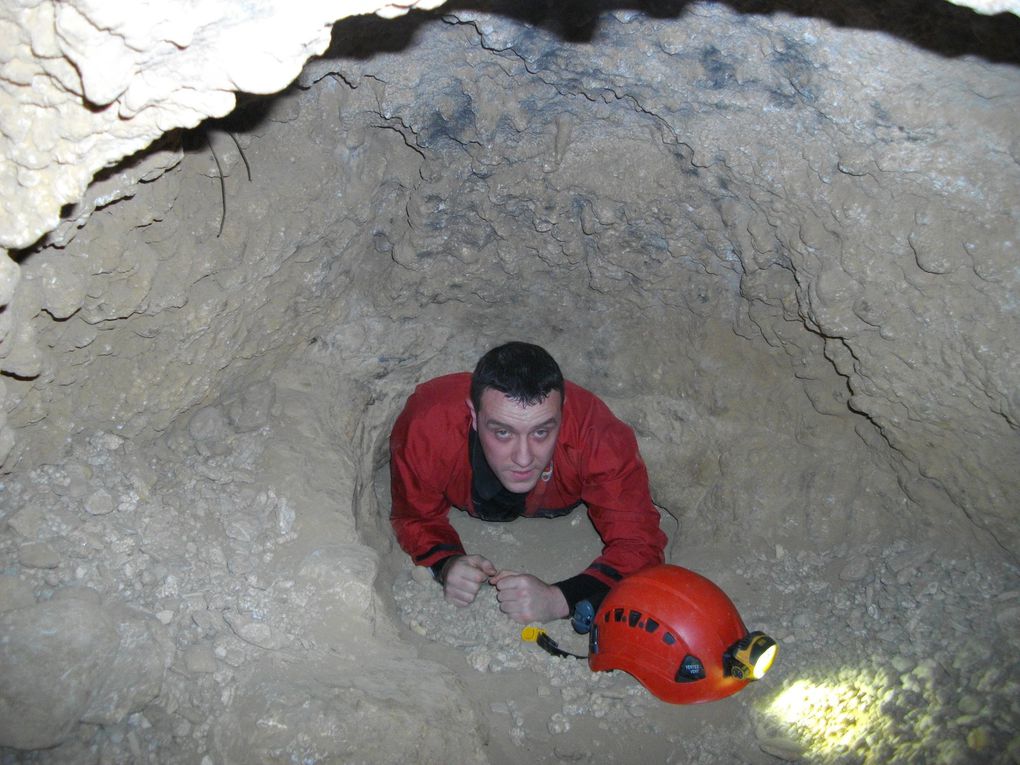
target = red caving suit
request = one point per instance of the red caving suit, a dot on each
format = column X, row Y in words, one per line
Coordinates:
column 596, row 461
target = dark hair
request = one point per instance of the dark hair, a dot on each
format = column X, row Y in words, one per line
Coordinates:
column 526, row 373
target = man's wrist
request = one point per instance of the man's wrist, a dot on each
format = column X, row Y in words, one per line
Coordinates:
column 582, row 587
column 564, row 609
column 439, row 568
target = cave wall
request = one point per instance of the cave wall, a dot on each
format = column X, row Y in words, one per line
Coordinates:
column 864, row 214
column 85, row 84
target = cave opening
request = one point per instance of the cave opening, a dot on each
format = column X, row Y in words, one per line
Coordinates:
column 770, row 238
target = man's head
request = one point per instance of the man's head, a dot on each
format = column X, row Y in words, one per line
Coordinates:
column 516, row 406
column 526, row 373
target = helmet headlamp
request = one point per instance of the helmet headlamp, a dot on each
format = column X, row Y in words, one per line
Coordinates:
column 750, row 657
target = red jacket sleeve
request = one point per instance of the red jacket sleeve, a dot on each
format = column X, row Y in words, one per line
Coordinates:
column 615, row 489
column 421, row 465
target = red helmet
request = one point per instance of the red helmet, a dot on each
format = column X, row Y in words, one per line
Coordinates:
column 679, row 635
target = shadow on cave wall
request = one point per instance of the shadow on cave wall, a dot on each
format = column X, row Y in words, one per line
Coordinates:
column 935, row 25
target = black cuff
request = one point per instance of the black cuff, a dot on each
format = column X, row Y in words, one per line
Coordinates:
column 437, row 567
column 582, row 587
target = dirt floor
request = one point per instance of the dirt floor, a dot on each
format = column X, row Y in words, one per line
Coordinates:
column 895, row 652
column 543, row 708
column 886, row 655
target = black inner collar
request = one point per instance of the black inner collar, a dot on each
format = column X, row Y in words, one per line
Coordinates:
column 492, row 500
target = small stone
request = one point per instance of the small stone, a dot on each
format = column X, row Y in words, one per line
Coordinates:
column 422, row 574
column 200, row 659
column 855, row 569
column 100, row 503
column 970, row 705
column 75, row 483
column 28, row 521
column 251, row 631
column 78, row 480
column 285, row 517
column 211, row 431
column 165, row 617
column 1008, row 617
column 783, row 748
column 902, row 663
column 979, row 739
column 38, row 555
column 108, row 441
column 558, row 724
column 207, row 621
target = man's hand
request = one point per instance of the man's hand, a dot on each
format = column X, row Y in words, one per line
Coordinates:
column 526, row 598
column 463, row 576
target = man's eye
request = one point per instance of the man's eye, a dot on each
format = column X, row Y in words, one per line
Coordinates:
column 502, row 434
column 540, row 434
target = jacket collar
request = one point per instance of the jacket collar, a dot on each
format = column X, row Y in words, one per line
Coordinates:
column 486, row 484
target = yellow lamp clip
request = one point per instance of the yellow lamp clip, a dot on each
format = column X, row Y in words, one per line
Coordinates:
column 531, row 634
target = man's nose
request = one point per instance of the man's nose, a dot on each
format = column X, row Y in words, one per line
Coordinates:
column 522, row 453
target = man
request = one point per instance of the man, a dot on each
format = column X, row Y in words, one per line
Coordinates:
column 512, row 440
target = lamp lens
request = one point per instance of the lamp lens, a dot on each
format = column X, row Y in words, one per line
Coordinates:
column 764, row 662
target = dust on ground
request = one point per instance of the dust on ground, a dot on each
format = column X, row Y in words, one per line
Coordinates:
column 891, row 653
column 887, row 655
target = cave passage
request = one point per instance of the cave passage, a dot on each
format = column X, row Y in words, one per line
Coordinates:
column 779, row 242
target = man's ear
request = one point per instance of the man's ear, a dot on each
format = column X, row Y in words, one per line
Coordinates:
column 474, row 414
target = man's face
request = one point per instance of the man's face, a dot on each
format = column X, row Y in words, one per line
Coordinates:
column 517, row 440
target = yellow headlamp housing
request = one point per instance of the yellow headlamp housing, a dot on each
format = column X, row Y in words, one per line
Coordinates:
column 750, row 657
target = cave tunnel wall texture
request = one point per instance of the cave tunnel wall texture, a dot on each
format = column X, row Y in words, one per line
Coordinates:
column 752, row 226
